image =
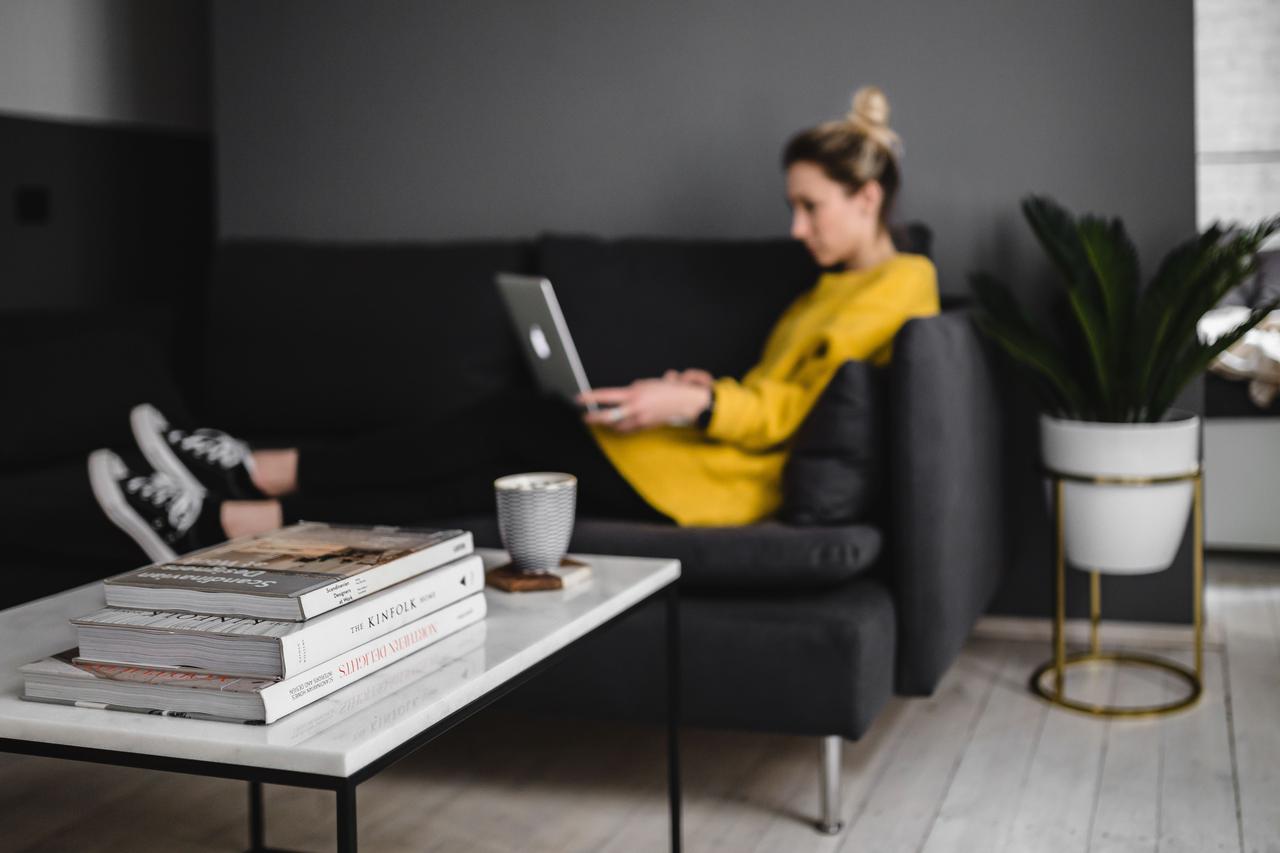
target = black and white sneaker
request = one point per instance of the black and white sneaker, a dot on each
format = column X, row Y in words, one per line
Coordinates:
column 203, row 460
column 158, row 512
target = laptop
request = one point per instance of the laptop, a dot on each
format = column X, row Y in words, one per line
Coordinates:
column 543, row 334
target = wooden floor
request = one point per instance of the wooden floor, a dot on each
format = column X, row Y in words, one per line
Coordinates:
column 980, row 766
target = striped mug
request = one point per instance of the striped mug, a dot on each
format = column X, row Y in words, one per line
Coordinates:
column 535, row 517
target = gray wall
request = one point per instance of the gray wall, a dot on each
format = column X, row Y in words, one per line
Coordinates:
column 400, row 120
column 118, row 61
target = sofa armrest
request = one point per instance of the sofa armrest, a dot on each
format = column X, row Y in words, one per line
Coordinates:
column 945, row 482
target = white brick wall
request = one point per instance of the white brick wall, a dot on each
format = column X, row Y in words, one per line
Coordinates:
column 1237, row 110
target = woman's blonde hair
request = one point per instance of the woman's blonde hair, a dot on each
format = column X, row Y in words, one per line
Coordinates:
column 854, row 150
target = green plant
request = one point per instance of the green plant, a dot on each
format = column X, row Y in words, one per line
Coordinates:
column 1119, row 352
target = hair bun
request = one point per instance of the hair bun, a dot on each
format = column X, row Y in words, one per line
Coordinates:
column 870, row 117
column 870, row 107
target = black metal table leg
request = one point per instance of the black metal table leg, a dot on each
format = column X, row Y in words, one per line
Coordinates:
column 673, row 713
column 346, row 803
column 257, row 830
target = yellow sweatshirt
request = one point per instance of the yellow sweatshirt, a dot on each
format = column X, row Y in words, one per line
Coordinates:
column 732, row 473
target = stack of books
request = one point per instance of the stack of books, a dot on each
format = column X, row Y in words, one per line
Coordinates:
column 256, row 628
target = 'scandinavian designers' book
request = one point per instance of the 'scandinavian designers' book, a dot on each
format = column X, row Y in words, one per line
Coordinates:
column 293, row 573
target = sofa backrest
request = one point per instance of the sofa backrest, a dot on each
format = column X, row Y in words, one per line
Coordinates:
column 640, row 306
column 316, row 339
column 308, row 339
column 313, row 338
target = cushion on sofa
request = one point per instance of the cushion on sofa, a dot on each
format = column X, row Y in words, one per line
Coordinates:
column 74, row 376
column 638, row 307
column 834, row 472
column 913, row 237
column 769, row 556
column 316, row 338
column 812, row 663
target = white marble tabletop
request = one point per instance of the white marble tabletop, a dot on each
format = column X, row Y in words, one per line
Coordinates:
column 341, row 733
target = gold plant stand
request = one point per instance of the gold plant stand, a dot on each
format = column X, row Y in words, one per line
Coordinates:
column 1095, row 655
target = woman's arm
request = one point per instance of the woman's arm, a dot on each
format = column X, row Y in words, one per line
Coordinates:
column 648, row 403
column 760, row 412
column 764, row 410
column 767, row 406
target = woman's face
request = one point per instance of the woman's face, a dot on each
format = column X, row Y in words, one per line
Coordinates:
column 836, row 226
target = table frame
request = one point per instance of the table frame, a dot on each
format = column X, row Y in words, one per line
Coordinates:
column 344, row 787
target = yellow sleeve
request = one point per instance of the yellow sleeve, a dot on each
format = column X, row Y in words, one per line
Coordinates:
column 760, row 413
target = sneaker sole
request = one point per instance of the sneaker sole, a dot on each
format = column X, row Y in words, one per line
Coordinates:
column 148, row 430
column 103, row 481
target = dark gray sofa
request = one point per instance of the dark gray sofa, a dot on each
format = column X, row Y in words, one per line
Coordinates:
column 803, row 630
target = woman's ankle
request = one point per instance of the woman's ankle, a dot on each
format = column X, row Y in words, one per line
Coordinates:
column 275, row 472
column 249, row 518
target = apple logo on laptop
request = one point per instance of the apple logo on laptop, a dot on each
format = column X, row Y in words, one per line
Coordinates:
column 538, row 341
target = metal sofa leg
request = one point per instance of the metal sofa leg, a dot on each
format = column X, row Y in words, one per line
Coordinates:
column 829, row 785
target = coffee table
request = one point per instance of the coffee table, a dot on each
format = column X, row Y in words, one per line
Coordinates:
column 348, row 737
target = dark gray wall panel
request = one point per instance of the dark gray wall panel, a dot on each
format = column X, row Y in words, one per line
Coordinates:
column 96, row 215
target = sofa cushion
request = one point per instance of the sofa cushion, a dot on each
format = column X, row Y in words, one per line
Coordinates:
column 769, row 556
column 637, row 307
column 809, row 663
column 913, row 237
column 316, row 338
column 55, row 536
column 72, row 378
column 834, row 472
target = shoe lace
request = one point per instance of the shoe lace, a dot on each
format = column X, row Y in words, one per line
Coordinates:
column 215, row 446
column 161, row 491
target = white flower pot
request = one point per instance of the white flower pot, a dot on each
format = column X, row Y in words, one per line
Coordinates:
column 1123, row 529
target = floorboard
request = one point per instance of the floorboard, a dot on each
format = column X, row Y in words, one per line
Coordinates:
column 1126, row 816
column 1253, row 671
column 905, row 800
column 975, row 813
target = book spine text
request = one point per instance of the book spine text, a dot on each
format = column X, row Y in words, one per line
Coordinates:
column 359, row 623
column 289, row 695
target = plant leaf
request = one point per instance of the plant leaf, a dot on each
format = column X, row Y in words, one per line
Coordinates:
column 1157, row 307
column 1197, row 357
column 1002, row 319
column 1058, row 233
column 1113, row 262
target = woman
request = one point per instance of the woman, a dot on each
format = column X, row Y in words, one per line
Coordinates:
column 721, row 466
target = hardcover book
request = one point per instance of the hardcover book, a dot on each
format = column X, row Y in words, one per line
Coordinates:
column 293, row 573
column 226, row 697
column 267, row 648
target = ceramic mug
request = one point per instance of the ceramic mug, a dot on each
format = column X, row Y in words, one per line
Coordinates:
column 535, row 517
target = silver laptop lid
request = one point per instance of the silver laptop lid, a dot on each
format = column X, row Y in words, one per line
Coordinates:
column 543, row 334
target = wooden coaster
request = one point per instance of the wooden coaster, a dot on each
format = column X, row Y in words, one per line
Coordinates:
column 508, row 579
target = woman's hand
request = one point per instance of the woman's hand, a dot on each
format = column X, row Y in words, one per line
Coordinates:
column 692, row 376
column 648, row 403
